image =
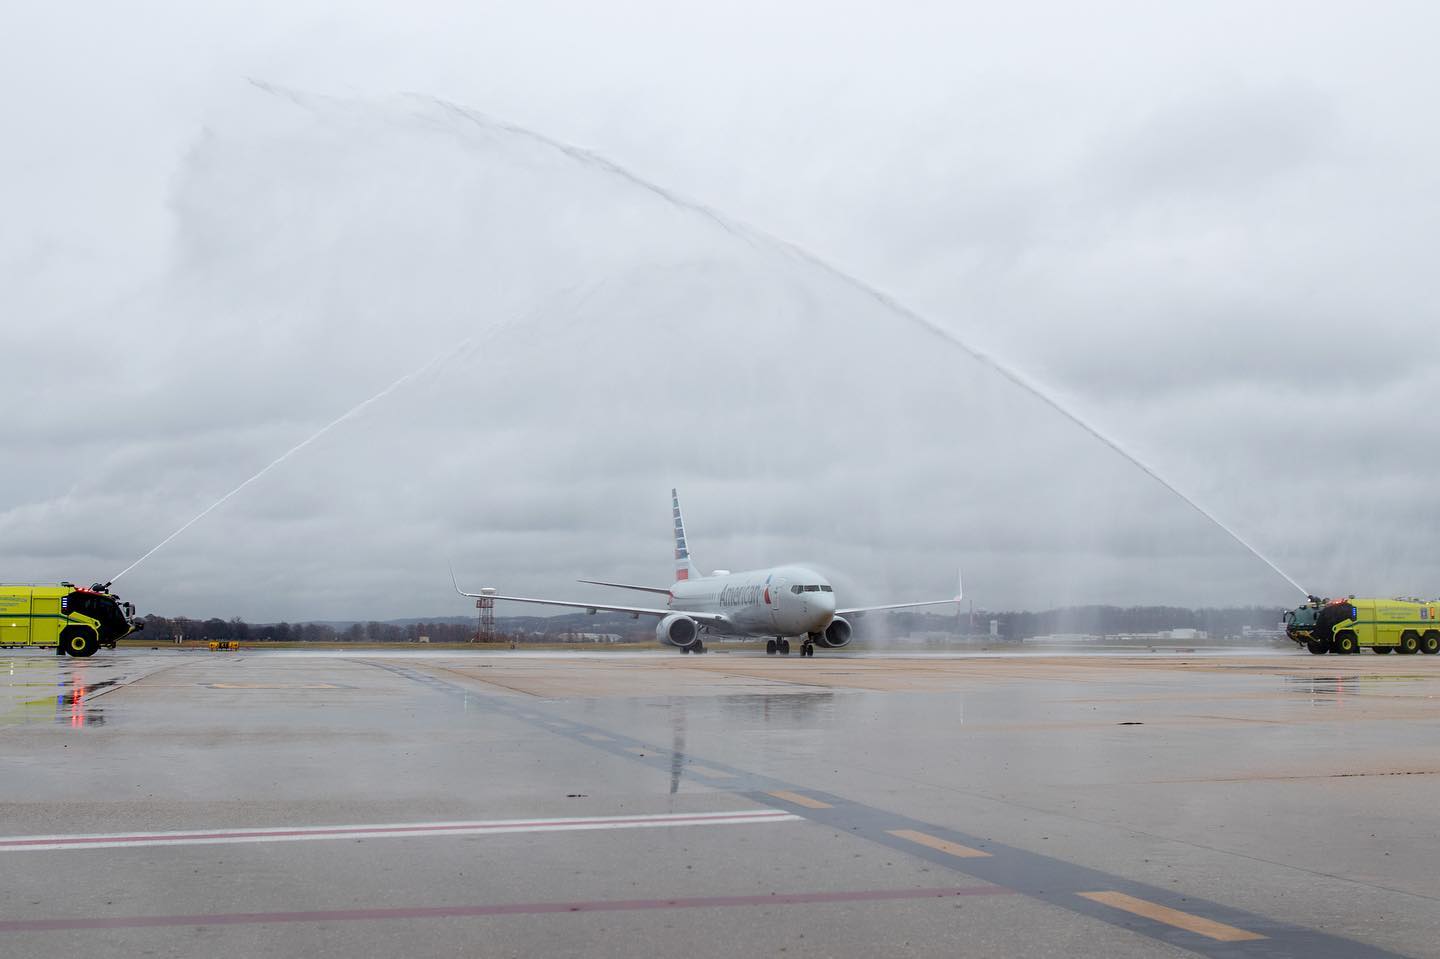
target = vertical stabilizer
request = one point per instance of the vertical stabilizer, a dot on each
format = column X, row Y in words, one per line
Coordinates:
column 683, row 567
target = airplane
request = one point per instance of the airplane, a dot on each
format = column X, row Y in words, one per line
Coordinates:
column 777, row 603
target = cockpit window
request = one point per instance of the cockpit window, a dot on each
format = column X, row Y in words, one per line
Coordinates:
column 797, row 589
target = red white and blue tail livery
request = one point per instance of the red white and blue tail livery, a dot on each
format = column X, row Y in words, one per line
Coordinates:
column 683, row 569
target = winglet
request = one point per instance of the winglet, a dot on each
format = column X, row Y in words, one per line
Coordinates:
column 455, row 582
column 959, row 585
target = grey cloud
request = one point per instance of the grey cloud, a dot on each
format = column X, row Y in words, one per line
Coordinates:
column 600, row 345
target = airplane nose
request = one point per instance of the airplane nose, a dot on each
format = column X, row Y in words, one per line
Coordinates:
column 824, row 602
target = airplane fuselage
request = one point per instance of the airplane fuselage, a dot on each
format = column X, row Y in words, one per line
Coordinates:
column 779, row 601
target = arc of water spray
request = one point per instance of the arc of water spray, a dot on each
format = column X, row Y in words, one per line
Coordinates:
column 578, row 295
column 750, row 233
column 348, row 414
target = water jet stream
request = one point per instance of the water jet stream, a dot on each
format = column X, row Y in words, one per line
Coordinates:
column 577, row 295
column 348, row 414
column 752, row 234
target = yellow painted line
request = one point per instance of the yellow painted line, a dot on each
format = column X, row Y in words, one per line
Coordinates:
column 1173, row 917
column 800, row 800
column 944, row 845
column 707, row 771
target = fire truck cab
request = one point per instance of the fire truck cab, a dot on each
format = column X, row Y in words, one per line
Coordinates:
column 71, row 619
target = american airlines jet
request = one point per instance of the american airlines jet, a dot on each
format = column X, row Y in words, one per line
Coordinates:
column 778, row 603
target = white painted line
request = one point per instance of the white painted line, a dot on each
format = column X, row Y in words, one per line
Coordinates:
column 388, row 830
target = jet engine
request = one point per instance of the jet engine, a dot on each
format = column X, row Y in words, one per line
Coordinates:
column 837, row 634
column 678, row 629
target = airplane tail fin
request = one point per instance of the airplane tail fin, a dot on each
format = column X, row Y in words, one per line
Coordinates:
column 683, row 567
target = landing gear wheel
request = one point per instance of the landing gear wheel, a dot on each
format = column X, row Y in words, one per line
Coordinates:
column 80, row 642
column 784, row 647
column 1317, row 648
column 1409, row 644
column 1345, row 643
column 771, row 647
column 684, row 650
column 1430, row 643
column 808, row 649
column 699, row 648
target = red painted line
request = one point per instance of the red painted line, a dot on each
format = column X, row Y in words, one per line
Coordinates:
column 758, row 814
column 511, row 909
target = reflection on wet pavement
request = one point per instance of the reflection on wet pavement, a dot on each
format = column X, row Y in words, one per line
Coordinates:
column 70, row 692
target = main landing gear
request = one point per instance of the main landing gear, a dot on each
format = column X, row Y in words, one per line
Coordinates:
column 696, row 648
column 782, row 647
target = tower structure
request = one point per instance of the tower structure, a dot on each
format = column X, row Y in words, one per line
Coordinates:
column 485, row 630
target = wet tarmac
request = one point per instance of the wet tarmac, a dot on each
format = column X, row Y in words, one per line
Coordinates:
column 369, row 804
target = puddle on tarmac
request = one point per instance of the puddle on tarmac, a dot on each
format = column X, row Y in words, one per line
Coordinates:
column 75, row 706
column 1336, row 688
column 71, row 699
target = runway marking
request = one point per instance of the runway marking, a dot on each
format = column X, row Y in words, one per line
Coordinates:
column 1041, row 878
column 798, row 799
column 935, row 842
column 599, row 737
column 508, row 909
column 389, row 831
column 1172, row 917
column 707, row 771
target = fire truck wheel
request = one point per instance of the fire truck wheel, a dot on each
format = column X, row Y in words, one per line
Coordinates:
column 1345, row 643
column 1430, row 643
column 79, row 642
column 1317, row 648
column 1409, row 643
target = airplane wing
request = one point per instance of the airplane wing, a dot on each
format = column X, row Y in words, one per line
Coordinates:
column 708, row 619
column 959, row 595
column 875, row 609
column 662, row 590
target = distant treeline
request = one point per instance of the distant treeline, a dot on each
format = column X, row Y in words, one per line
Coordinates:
column 166, row 629
column 1093, row 620
column 1218, row 622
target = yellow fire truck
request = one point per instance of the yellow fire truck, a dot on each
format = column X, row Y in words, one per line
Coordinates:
column 73, row 620
column 1350, row 625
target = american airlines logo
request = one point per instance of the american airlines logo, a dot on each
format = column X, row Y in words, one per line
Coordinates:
column 740, row 595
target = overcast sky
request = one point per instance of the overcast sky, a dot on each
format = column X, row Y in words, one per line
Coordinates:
column 1209, row 229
